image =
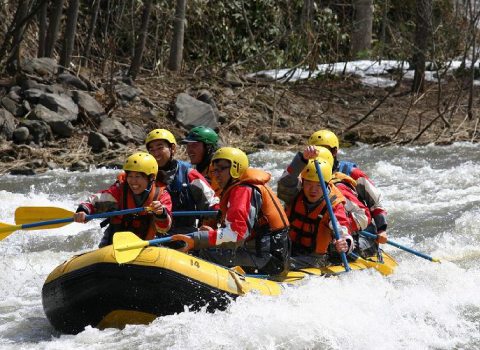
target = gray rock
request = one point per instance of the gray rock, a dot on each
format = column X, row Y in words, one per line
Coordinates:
column 79, row 166
column 16, row 109
column 90, row 107
column 98, row 142
column 191, row 112
column 126, row 92
column 22, row 171
column 207, row 97
column 52, row 165
column 14, row 94
column 40, row 66
column 59, row 124
column 20, row 135
column 37, row 163
column 39, row 130
column 68, row 79
column 33, row 95
column 29, row 84
column 7, row 124
column 61, row 104
column 115, row 131
column 138, row 132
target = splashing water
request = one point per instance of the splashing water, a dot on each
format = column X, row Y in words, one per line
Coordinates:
column 432, row 194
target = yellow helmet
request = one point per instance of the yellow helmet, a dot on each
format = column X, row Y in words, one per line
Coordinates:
column 325, row 154
column 310, row 171
column 142, row 163
column 323, row 138
column 160, row 134
column 237, row 158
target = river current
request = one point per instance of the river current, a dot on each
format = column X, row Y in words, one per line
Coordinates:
column 433, row 198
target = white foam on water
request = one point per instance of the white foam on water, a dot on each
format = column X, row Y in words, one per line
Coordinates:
column 432, row 195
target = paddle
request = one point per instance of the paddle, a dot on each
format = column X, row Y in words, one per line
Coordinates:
column 127, row 245
column 26, row 215
column 382, row 268
column 330, row 211
column 417, row 253
column 6, row 229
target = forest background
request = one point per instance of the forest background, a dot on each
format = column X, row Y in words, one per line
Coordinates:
column 162, row 48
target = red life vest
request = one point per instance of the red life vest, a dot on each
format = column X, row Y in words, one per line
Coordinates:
column 142, row 223
column 272, row 216
column 310, row 230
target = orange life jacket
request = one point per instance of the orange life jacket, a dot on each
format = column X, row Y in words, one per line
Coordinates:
column 339, row 177
column 272, row 217
column 142, row 223
column 308, row 230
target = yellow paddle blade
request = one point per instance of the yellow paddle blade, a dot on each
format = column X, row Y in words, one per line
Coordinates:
column 29, row 215
column 127, row 246
column 6, row 230
column 382, row 268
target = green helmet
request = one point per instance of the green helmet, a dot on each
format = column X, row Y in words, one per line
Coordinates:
column 202, row 134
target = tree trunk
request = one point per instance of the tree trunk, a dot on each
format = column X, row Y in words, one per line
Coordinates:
column 42, row 29
column 142, row 39
column 93, row 22
column 362, row 27
column 176, row 50
column 70, row 32
column 424, row 12
column 53, row 27
column 22, row 11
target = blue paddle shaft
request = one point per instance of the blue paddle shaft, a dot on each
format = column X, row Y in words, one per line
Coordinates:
column 417, row 253
column 330, row 211
column 114, row 213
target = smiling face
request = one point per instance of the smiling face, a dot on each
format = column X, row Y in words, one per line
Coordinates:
column 312, row 190
column 137, row 182
column 221, row 171
column 195, row 151
column 162, row 151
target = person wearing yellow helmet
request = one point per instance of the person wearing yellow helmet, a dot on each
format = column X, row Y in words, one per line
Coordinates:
column 311, row 229
column 366, row 189
column 253, row 232
column 188, row 188
column 135, row 187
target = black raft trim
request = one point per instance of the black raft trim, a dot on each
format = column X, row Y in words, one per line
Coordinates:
column 85, row 296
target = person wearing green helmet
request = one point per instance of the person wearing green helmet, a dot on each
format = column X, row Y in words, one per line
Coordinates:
column 202, row 142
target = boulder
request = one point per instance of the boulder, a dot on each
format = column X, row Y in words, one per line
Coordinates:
column 59, row 124
column 71, row 80
column 98, row 142
column 17, row 110
column 191, row 112
column 20, row 135
column 61, row 104
column 39, row 130
column 90, row 107
column 40, row 66
column 7, row 124
column 115, row 131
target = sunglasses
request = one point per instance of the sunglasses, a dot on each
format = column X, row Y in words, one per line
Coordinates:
column 219, row 170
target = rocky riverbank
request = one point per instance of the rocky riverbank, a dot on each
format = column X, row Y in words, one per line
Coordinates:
column 75, row 120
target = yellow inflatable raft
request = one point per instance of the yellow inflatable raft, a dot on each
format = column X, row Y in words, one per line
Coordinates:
column 94, row 289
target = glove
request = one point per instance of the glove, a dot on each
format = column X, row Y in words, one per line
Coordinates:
column 381, row 237
column 189, row 242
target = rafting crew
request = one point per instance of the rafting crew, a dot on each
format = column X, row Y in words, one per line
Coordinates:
column 135, row 187
column 253, row 229
column 366, row 190
column 311, row 228
column 189, row 190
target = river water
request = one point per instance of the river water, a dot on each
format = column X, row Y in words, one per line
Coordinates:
column 433, row 197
